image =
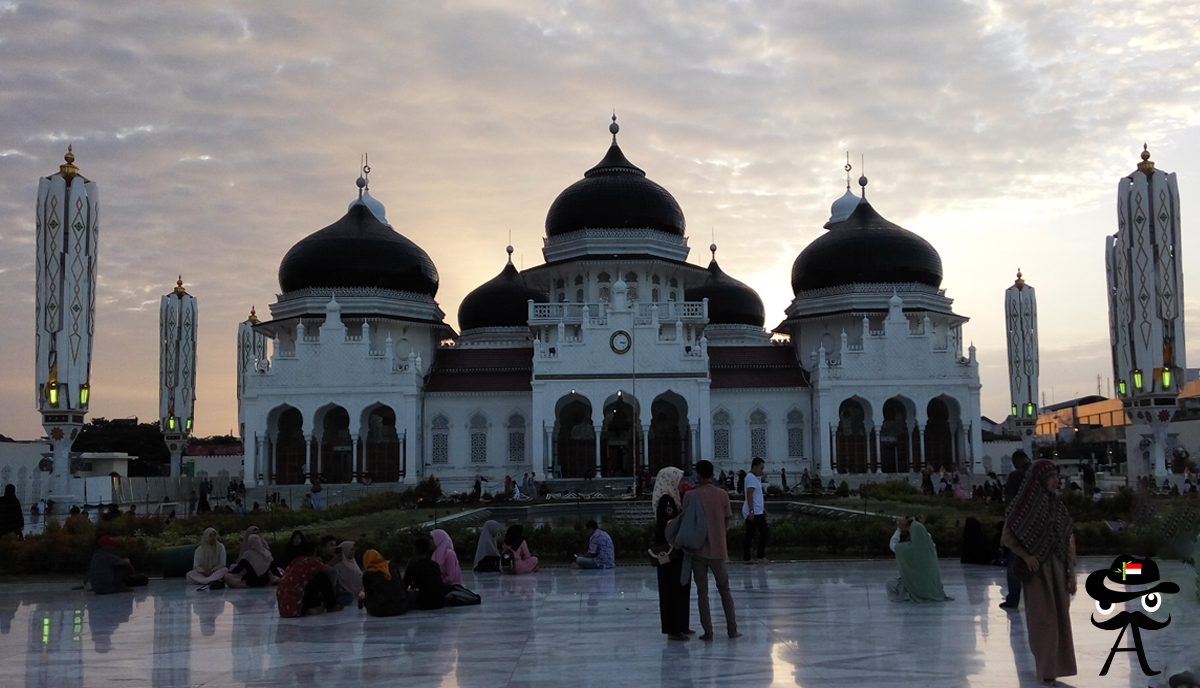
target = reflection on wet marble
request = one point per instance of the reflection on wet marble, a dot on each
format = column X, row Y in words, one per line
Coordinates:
column 805, row 624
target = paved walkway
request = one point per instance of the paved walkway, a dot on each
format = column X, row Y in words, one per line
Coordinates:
column 805, row 624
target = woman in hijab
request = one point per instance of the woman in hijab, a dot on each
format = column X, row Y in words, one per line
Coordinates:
column 447, row 560
column 674, row 596
column 1040, row 534
column 254, row 566
column 517, row 551
column 208, row 564
column 252, row 530
column 487, row 557
column 349, row 576
column 382, row 590
column 920, row 576
column 294, row 548
column 12, row 519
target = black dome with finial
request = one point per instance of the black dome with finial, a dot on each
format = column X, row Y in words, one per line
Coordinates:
column 866, row 248
column 358, row 251
column 615, row 194
column 502, row 301
column 729, row 301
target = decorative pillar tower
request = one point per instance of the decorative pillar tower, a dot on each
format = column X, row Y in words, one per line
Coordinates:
column 1020, row 316
column 251, row 356
column 65, row 308
column 177, row 371
column 1144, row 262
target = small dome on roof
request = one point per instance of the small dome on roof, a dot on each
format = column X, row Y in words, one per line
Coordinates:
column 842, row 207
column 373, row 204
column 502, row 301
column 729, row 301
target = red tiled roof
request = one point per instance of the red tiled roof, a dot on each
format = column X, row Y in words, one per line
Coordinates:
column 754, row 366
column 481, row 370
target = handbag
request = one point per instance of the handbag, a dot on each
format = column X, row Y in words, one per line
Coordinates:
column 459, row 596
column 661, row 555
column 688, row 530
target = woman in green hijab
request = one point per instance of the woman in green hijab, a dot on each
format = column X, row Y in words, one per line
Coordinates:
column 920, row 577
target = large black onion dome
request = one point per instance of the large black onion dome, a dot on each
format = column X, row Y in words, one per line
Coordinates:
column 500, row 302
column 865, row 248
column 729, row 301
column 615, row 194
column 358, row 251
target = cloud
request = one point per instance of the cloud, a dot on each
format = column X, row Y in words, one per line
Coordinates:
column 221, row 136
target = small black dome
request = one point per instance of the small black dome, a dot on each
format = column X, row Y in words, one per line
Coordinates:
column 729, row 301
column 358, row 251
column 865, row 248
column 615, row 194
column 501, row 302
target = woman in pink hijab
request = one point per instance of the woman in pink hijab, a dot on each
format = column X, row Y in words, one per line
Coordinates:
column 447, row 560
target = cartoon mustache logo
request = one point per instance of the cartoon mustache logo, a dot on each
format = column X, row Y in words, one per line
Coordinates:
column 1130, row 618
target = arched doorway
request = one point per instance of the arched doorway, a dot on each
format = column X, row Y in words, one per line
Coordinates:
column 381, row 450
column 574, row 439
column 669, row 436
column 621, row 438
column 289, row 448
column 853, row 442
column 895, row 439
column 939, row 439
column 337, row 450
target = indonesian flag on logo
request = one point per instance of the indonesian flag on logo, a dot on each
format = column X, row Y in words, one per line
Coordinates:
column 1131, row 569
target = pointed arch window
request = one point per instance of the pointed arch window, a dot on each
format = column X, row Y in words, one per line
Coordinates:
column 655, row 295
column 516, row 438
column 578, row 280
column 603, row 277
column 795, row 434
column 578, row 296
column 758, row 434
column 605, row 295
column 721, row 436
column 440, row 440
column 478, row 432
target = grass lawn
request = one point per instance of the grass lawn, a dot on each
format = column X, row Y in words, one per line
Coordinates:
column 370, row 524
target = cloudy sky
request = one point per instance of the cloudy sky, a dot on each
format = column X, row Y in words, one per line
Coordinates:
column 222, row 135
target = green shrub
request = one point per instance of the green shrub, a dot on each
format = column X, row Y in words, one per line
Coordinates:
column 899, row 490
column 843, row 490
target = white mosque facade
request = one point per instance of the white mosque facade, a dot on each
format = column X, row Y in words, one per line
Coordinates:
column 613, row 356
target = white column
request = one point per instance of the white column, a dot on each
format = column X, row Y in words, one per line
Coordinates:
column 645, row 449
column 308, row 459
column 598, row 428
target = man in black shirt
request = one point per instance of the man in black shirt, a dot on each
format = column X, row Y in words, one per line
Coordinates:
column 1020, row 462
column 423, row 579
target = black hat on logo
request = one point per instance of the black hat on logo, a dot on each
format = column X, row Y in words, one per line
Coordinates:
column 1127, row 570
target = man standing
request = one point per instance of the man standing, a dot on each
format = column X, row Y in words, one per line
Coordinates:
column 601, row 554
column 755, row 513
column 713, row 554
column 1020, row 461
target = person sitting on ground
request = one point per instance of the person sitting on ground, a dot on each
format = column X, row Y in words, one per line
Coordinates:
column 600, row 554
column 254, row 567
column 920, row 576
column 515, row 556
column 383, row 591
column 444, row 556
column 487, row 557
column 349, row 575
column 423, row 579
column 307, row 587
column 109, row 573
column 295, row 545
column 208, row 563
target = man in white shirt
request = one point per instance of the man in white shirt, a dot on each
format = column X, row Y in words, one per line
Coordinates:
column 755, row 512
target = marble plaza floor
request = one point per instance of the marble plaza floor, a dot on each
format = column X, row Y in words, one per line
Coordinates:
column 804, row 624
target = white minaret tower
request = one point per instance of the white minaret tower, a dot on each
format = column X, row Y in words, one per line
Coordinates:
column 65, row 308
column 1020, row 316
column 251, row 356
column 1145, row 305
column 177, row 371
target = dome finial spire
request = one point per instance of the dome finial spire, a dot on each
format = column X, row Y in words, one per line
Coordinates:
column 848, row 168
column 1146, row 166
column 862, row 180
column 179, row 286
column 614, row 127
column 1020, row 280
column 68, row 169
column 363, row 182
column 509, row 250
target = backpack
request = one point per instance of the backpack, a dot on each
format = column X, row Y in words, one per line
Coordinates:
column 459, row 596
column 688, row 530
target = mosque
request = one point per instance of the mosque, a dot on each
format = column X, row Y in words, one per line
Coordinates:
column 613, row 356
